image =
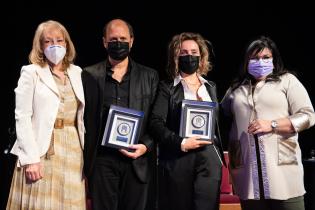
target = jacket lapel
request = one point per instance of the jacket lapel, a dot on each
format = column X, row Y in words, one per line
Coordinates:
column 101, row 79
column 134, row 79
column 47, row 78
column 75, row 79
column 177, row 93
column 212, row 93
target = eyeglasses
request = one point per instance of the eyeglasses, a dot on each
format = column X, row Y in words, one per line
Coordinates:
column 264, row 59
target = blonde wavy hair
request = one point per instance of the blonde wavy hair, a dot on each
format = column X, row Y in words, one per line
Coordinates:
column 37, row 55
column 205, row 65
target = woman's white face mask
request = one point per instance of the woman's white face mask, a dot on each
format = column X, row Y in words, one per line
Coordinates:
column 55, row 53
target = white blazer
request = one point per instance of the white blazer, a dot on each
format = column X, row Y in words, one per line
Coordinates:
column 37, row 103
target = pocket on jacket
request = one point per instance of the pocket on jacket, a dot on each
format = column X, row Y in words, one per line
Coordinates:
column 287, row 152
column 235, row 154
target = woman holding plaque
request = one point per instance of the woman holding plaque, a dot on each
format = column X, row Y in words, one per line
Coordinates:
column 189, row 168
column 269, row 107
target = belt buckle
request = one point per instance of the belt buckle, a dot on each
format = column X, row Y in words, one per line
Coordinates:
column 59, row 123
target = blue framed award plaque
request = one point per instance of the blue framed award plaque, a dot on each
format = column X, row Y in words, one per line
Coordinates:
column 197, row 119
column 122, row 128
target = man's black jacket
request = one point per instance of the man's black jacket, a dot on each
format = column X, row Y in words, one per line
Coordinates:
column 142, row 90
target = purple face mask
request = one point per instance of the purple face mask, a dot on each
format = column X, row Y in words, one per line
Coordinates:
column 260, row 68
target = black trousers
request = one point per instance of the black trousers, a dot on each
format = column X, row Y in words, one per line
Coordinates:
column 191, row 181
column 114, row 184
column 296, row 203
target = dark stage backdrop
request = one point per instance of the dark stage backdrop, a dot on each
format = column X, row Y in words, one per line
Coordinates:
column 228, row 26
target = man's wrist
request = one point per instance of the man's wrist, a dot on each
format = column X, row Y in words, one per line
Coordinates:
column 182, row 145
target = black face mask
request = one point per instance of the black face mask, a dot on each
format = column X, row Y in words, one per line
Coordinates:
column 188, row 63
column 118, row 50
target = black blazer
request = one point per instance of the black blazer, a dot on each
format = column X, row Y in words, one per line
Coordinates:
column 165, row 118
column 142, row 90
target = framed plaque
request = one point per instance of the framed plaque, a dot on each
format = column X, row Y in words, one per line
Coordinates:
column 197, row 119
column 122, row 128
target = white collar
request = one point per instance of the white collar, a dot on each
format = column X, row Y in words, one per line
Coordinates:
column 179, row 78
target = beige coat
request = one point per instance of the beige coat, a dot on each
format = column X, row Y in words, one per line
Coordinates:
column 280, row 154
column 37, row 102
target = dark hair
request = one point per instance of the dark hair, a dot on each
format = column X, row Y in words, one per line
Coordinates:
column 131, row 31
column 255, row 47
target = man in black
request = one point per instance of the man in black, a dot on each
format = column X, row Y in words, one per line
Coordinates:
column 118, row 179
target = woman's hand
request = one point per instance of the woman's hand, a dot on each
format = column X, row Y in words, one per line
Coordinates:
column 34, row 172
column 194, row 143
column 259, row 126
column 264, row 126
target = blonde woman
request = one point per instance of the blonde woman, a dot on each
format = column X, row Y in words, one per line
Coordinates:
column 49, row 126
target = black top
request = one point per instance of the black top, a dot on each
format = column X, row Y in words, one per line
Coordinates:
column 117, row 93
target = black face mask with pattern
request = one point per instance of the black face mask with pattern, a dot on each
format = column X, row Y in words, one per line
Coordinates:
column 188, row 63
column 118, row 50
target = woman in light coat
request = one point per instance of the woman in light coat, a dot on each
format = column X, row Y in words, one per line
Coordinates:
column 269, row 107
column 49, row 126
